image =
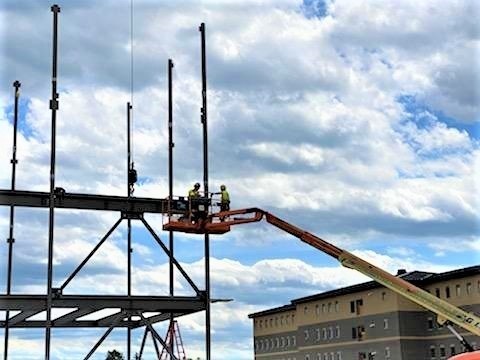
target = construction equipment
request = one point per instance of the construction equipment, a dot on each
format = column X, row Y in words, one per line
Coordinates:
column 447, row 314
column 174, row 342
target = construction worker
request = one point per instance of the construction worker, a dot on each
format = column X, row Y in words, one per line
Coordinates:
column 194, row 193
column 193, row 196
column 224, row 198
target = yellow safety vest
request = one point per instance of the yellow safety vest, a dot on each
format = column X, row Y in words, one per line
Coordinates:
column 225, row 196
column 193, row 194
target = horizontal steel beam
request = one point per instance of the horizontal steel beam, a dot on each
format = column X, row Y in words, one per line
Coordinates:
column 85, row 304
column 98, row 302
column 89, row 202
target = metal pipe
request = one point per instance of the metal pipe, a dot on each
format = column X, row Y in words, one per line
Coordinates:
column 177, row 264
column 170, row 177
column 79, row 267
column 203, row 117
column 157, row 349
column 120, row 316
column 157, row 337
column 129, row 227
column 142, row 346
column 54, row 107
column 10, row 239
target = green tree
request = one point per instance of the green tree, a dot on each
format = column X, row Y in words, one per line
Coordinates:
column 114, row 355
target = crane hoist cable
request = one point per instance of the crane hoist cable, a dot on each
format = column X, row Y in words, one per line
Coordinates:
column 131, row 74
column 132, row 173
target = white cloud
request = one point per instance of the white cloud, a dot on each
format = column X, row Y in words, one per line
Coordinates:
column 304, row 119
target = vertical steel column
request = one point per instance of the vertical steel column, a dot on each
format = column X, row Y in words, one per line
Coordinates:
column 129, row 227
column 170, row 176
column 203, row 117
column 54, row 107
column 10, row 239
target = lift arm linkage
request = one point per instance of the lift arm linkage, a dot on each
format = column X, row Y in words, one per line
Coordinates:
column 445, row 311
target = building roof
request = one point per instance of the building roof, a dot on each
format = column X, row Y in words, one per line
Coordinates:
column 420, row 278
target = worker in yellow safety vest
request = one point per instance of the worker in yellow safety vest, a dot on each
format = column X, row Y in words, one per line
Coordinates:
column 194, row 193
column 224, row 199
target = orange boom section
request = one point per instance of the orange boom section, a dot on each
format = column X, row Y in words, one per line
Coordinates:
column 219, row 223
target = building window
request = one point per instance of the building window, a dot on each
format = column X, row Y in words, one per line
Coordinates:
column 319, row 356
column 324, row 308
column 271, row 322
column 283, row 342
column 330, row 332
column 437, row 292
column 261, row 323
column 277, row 342
column 324, row 333
column 305, row 310
column 447, row 292
column 276, row 321
column 325, row 356
column 384, row 295
column 293, row 319
column 385, row 323
column 337, row 331
column 294, row 340
column 281, row 320
column 307, row 357
column 354, row 333
column 329, row 307
column 355, row 306
column 286, row 319
column 469, row 288
column 430, row 323
column 288, row 341
column 443, row 353
column 458, row 290
column 337, row 306
column 362, row 356
column 360, row 332
column 433, row 352
column 306, row 335
column 317, row 309
column 387, row 353
column 332, row 356
column 452, row 350
column 339, row 355
column 318, row 334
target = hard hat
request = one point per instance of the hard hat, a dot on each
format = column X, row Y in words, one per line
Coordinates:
column 197, row 185
column 222, row 187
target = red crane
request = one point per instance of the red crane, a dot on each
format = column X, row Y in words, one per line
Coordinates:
column 173, row 339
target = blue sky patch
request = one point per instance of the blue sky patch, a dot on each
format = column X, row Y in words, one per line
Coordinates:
column 314, row 8
column 23, row 108
column 416, row 107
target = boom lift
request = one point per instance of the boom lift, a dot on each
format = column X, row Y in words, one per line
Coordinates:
column 447, row 314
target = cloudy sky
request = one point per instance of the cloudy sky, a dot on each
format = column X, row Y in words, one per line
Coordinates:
column 358, row 121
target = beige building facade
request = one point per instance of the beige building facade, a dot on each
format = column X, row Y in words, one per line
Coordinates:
column 367, row 322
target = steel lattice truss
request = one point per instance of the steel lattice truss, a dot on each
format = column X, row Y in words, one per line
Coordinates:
column 131, row 311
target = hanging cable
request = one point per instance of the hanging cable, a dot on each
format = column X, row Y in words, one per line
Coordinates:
column 131, row 76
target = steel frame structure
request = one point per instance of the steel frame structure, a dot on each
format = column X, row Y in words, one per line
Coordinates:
column 132, row 309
